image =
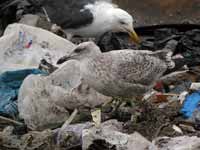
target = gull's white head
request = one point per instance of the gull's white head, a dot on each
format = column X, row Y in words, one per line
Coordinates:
column 108, row 17
column 122, row 21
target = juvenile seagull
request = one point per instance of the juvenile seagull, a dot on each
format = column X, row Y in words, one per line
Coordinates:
column 89, row 18
column 123, row 73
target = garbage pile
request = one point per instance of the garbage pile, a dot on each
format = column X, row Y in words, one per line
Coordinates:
column 47, row 106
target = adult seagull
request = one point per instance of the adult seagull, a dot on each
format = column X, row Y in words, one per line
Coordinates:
column 89, row 18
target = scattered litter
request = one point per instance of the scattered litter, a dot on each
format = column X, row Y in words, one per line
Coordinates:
column 136, row 140
column 110, row 138
column 182, row 96
column 165, row 97
column 72, row 135
column 177, row 143
column 187, row 128
column 107, row 134
column 96, row 116
column 195, row 86
column 61, row 135
column 11, row 121
column 44, row 103
column 183, row 86
column 149, row 95
column 32, row 140
column 177, row 129
column 29, row 19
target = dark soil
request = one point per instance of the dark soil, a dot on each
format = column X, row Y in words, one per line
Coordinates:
column 150, row 120
column 153, row 122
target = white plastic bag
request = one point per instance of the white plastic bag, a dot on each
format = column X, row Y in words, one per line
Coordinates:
column 44, row 101
column 23, row 46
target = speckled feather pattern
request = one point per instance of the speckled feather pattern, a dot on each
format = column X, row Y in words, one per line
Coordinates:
column 123, row 73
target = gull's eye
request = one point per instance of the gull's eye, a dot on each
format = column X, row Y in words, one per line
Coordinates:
column 78, row 50
column 122, row 22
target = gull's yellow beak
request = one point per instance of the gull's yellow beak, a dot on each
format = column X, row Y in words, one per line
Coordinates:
column 134, row 36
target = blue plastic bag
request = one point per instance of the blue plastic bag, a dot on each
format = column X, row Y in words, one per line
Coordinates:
column 10, row 83
column 191, row 104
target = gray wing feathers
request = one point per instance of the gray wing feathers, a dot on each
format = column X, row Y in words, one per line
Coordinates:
column 139, row 68
column 67, row 14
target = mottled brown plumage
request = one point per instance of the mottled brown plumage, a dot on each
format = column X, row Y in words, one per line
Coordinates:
column 123, row 73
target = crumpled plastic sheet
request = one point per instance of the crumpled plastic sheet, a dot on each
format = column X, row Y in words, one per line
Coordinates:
column 45, row 102
column 10, row 83
column 24, row 46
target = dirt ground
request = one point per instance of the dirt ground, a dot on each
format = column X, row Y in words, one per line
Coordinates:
column 156, row 11
column 150, row 120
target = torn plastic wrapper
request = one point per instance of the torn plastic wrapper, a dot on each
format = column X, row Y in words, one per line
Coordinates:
column 191, row 104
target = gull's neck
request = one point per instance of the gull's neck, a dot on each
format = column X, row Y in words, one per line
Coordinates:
column 91, row 57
